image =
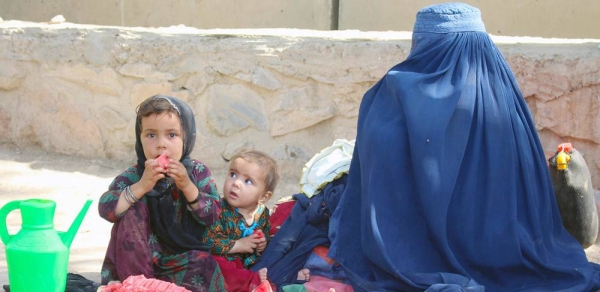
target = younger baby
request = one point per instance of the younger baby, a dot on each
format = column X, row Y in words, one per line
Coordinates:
column 242, row 229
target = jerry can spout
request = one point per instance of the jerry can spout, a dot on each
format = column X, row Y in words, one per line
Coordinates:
column 68, row 236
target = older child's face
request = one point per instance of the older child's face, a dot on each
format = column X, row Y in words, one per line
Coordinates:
column 245, row 185
column 162, row 134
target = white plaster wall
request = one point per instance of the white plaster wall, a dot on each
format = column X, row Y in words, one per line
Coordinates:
column 306, row 14
column 541, row 18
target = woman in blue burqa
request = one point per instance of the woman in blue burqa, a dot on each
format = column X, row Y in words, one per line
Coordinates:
column 448, row 188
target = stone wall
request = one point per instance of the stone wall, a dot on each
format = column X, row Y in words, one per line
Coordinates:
column 73, row 89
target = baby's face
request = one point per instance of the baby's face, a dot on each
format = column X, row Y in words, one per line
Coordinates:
column 162, row 134
column 244, row 187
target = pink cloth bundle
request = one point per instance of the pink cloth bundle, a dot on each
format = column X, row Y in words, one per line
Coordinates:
column 141, row 284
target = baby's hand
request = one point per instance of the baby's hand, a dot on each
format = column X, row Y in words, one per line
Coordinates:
column 246, row 245
column 263, row 241
column 259, row 233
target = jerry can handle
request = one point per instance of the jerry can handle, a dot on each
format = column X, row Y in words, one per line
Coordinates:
column 9, row 207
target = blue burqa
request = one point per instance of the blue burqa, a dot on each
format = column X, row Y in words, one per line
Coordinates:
column 448, row 188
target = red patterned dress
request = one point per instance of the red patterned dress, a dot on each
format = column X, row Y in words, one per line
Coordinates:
column 221, row 237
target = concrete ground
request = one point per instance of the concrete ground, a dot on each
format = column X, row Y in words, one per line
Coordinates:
column 31, row 173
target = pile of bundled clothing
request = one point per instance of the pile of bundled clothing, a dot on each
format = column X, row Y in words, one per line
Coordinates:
column 302, row 240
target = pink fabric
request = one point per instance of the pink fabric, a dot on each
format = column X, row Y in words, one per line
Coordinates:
column 141, row 284
column 265, row 286
column 319, row 284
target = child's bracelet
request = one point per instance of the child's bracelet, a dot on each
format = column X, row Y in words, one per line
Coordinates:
column 129, row 197
column 195, row 200
column 135, row 199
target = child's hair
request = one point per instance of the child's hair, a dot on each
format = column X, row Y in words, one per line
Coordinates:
column 265, row 162
column 156, row 104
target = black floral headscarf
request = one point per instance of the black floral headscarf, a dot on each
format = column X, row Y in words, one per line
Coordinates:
column 188, row 127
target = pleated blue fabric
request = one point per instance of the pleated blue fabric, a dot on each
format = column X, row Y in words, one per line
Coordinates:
column 448, row 189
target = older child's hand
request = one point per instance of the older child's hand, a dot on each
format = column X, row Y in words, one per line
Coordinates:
column 177, row 171
column 152, row 174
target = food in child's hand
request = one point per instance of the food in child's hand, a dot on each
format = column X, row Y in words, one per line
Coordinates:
column 163, row 160
column 259, row 233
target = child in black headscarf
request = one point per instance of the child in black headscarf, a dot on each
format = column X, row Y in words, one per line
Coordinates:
column 161, row 206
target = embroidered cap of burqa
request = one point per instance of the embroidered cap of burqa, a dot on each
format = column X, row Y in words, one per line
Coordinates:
column 448, row 188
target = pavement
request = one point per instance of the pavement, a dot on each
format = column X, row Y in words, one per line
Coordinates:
column 31, row 173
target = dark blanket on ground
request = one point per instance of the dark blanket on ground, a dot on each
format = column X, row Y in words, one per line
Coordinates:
column 75, row 283
column 306, row 227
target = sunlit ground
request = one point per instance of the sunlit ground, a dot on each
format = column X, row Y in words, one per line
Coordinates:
column 36, row 175
column 69, row 181
column 69, row 190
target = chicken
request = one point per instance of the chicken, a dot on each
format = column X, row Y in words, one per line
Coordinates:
column 574, row 194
